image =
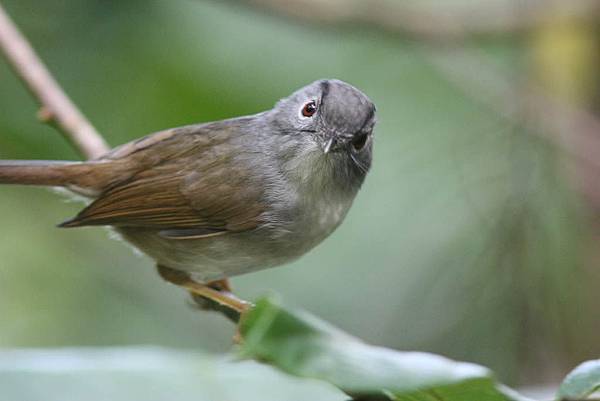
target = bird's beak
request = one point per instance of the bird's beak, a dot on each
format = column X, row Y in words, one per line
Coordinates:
column 328, row 144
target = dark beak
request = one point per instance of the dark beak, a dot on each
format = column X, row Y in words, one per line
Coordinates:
column 360, row 140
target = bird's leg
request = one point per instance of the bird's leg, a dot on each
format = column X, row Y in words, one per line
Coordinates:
column 204, row 303
column 216, row 293
column 221, row 285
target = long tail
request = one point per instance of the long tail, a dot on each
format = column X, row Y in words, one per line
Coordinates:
column 41, row 172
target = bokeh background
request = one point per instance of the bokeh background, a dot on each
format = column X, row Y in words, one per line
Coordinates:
column 475, row 235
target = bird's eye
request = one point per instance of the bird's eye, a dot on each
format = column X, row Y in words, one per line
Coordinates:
column 309, row 109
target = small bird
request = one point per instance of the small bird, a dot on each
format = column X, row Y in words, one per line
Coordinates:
column 219, row 199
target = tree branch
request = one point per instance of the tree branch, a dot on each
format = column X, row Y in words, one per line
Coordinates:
column 430, row 23
column 56, row 107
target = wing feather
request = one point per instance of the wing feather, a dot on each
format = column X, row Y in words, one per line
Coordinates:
column 183, row 184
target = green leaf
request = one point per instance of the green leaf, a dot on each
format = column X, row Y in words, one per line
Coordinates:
column 149, row 374
column 302, row 345
column 581, row 382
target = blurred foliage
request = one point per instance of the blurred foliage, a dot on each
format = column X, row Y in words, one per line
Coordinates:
column 150, row 374
column 583, row 381
column 291, row 340
column 466, row 240
column 566, row 55
column 303, row 345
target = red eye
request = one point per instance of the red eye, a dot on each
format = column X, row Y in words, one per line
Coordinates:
column 309, row 109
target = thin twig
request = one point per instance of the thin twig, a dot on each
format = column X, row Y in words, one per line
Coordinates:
column 56, row 107
column 426, row 22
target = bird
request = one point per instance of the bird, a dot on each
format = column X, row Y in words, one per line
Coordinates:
column 214, row 200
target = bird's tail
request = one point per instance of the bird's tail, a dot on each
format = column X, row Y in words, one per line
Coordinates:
column 42, row 172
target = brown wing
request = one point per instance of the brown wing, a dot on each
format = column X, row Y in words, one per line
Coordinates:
column 184, row 184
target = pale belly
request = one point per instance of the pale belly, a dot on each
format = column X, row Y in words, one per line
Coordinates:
column 218, row 257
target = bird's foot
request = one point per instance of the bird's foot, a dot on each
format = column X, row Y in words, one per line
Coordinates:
column 215, row 295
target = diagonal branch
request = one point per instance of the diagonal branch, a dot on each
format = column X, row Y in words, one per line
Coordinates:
column 56, row 107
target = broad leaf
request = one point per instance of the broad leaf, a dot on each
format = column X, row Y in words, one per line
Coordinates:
column 302, row 345
column 581, row 382
column 149, row 374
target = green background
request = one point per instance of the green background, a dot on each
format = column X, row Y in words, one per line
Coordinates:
column 466, row 240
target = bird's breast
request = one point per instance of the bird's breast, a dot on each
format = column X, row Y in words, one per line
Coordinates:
column 312, row 216
column 318, row 196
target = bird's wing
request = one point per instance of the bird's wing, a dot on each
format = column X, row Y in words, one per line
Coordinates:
column 185, row 184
